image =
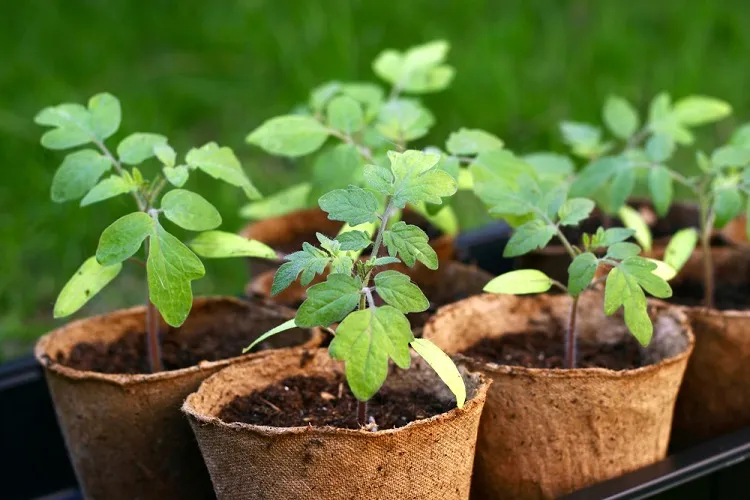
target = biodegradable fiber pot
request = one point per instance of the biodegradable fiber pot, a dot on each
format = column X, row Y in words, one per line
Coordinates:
column 426, row 459
column 547, row 432
column 124, row 433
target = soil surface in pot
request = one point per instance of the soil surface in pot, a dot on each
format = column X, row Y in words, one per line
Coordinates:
column 726, row 296
column 128, row 354
column 545, row 349
column 301, row 401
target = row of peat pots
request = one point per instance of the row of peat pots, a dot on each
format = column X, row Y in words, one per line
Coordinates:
column 529, row 428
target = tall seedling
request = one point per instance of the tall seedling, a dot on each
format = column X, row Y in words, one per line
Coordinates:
column 369, row 333
column 96, row 173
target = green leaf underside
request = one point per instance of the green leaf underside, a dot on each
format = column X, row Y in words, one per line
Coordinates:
column 521, row 282
column 222, row 164
column 680, row 248
column 87, row 281
column 78, row 173
column 411, row 244
column 353, row 205
column 580, row 272
column 287, row 325
column 123, row 238
column 397, row 290
column 107, row 188
column 528, row 237
column 289, row 135
column 354, row 240
column 221, row 244
column 309, row 261
column 330, row 301
column 365, row 340
column 138, row 147
column 190, row 210
column 384, row 261
column 443, row 366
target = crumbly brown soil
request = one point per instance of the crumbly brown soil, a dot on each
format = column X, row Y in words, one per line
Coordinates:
column 301, row 401
column 726, row 297
column 129, row 354
column 544, row 349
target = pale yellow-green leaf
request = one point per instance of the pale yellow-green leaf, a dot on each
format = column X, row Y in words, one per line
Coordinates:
column 443, row 366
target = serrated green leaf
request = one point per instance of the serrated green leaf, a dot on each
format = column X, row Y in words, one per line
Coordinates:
column 78, row 173
column 280, row 203
column 221, row 163
column 379, row 178
column 660, row 187
column 107, row 188
column 620, row 117
column 87, row 281
column 190, row 210
column 329, row 302
column 73, row 126
column 416, row 178
column 177, row 176
column 354, row 240
column 726, row 206
column 411, row 244
column 365, row 340
column 353, row 205
column 171, row 267
column 623, row 250
column 289, row 135
column 580, row 272
column 165, row 154
column 220, row 244
column 472, row 142
column 396, row 289
column 660, row 147
column 106, row 114
column 138, row 147
column 443, row 366
column 633, row 220
column 384, row 261
column 495, row 177
column 520, row 282
column 345, row 114
column 584, row 139
column 309, row 261
column 699, row 110
column 404, row 120
column 528, row 237
column 123, row 238
column 574, row 211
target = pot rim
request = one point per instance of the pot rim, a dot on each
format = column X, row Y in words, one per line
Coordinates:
column 127, row 380
column 574, row 373
column 477, row 401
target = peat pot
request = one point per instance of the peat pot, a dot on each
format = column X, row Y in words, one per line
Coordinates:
column 124, row 432
column 546, row 432
column 426, row 459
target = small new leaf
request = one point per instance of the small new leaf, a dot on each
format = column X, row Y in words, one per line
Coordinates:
column 411, row 244
column 397, row 290
column 472, row 142
column 353, row 205
column 87, row 281
column 309, row 261
column 138, row 147
column 528, row 237
column 177, row 176
column 330, row 301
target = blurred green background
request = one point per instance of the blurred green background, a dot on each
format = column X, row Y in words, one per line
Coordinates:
column 199, row 71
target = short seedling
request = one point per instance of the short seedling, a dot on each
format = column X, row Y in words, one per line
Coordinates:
column 369, row 334
column 170, row 265
column 627, row 274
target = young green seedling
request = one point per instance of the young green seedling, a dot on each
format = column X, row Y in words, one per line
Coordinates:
column 627, row 275
column 363, row 123
column 368, row 334
column 96, row 173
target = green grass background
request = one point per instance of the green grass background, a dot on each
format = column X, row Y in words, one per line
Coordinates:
column 197, row 71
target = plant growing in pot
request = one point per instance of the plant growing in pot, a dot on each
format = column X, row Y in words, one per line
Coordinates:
column 291, row 408
column 118, row 407
column 576, row 398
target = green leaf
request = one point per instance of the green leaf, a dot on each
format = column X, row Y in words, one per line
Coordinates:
column 520, row 282
column 353, row 205
column 365, row 340
column 660, row 148
column 730, row 156
column 221, row 163
column 379, row 178
column 623, row 250
column 581, row 271
column 165, row 154
column 660, row 187
column 73, row 126
column 280, row 203
column 411, row 244
column 620, row 117
column 335, row 168
column 404, row 120
column 663, row 270
column 123, row 238
column 446, row 220
column 369, row 95
column 396, row 289
column 289, row 135
column 171, row 267
column 220, row 244
column 596, row 174
column 107, row 188
column 329, row 302
column 177, row 176
column 621, row 188
column 287, row 325
column 105, row 114
column 443, row 366
column 615, row 235
column 87, row 281
column 309, row 261
column 419, row 70
column 699, row 110
column 354, row 240
column 472, row 142
column 660, row 108
column 345, row 114
column 416, row 178
column 138, row 147
column 321, row 95
column 726, row 206
column 528, row 237
column 623, row 290
column 584, row 139
column 551, row 165
column 190, row 210
column 384, row 261
column 643, row 271
column 633, row 220
column 78, row 173
column 574, row 211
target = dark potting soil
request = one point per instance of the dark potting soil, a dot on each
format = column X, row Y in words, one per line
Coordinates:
column 726, row 296
column 301, row 401
column 129, row 353
column 542, row 349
